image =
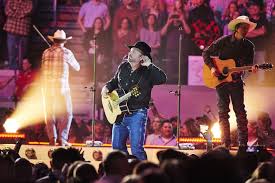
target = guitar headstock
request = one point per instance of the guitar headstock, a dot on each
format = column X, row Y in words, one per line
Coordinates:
column 135, row 91
column 265, row 66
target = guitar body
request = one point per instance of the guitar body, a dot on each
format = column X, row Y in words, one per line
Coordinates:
column 222, row 66
column 115, row 103
column 111, row 107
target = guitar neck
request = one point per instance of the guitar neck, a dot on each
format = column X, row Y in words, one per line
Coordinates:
column 239, row 69
column 124, row 97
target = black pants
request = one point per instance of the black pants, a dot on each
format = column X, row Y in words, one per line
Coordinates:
column 234, row 91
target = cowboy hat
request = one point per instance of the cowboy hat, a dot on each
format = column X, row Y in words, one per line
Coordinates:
column 143, row 47
column 59, row 35
column 241, row 19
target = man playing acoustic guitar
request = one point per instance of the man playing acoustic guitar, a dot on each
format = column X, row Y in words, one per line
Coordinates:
column 241, row 50
column 138, row 71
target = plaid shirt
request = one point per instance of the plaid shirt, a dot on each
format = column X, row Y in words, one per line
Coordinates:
column 55, row 67
column 18, row 17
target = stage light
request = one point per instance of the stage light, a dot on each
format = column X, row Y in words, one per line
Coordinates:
column 11, row 125
column 216, row 130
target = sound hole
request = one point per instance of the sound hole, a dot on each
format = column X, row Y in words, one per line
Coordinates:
column 225, row 71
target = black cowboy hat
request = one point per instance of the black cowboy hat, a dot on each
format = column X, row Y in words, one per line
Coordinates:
column 143, row 47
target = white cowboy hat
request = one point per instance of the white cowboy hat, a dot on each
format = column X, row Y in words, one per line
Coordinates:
column 59, row 35
column 241, row 19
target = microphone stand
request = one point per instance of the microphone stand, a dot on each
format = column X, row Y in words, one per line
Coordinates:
column 93, row 90
column 178, row 91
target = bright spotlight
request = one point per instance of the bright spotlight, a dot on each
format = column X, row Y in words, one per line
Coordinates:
column 11, row 125
column 216, row 130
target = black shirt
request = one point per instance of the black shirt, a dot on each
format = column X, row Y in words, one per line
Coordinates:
column 228, row 47
column 144, row 77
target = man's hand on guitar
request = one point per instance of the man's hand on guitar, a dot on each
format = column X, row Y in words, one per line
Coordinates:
column 104, row 92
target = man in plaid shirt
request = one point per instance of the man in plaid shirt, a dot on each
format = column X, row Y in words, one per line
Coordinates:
column 55, row 73
column 17, row 26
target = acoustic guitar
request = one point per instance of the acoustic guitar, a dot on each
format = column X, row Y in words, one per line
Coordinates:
column 226, row 68
column 115, row 103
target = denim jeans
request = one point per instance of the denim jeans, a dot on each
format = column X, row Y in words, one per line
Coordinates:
column 133, row 126
column 59, row 115
column 234, row 91
column 17, row 49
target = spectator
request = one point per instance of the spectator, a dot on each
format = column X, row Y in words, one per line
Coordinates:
column 174, row 121
column 258, row 35
column 107, row 134
column 242, row 6
column 172, row 30
column 166, row 138
column 265, row 130
column 146, row 4
column 22, row 170
column 97, row 42
column 124, row 35
column 59, row 159
column 142, row 166
column 204, row 29
column 131, row 10
column 25, row 79
column 269, row 6
column 2, row 32
column 156, row 124
column 230, row 13
column 265, row 171
column 190, row 128
column 39, row 170
column 81, row 172
column 219, row 6
column 169, row 5
column 154, row 175
column 98, row 131
column 116, row 166
column 89, row 11
column 152, row 36
column 253, row 137
column 18, row 27
column 131, row 179
column 79, row 130
column 154, row 8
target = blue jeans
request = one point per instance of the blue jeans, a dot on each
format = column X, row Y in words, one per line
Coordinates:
column 133, row 126
column 17, row 49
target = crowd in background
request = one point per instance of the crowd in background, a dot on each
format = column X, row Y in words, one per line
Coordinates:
column 108, row 26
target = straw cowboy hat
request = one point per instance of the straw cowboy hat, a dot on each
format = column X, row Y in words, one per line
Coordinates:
column 59, row 35
column 241, row 19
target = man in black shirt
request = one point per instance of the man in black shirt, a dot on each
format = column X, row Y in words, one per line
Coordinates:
column 136, row 69
column 236, row 47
